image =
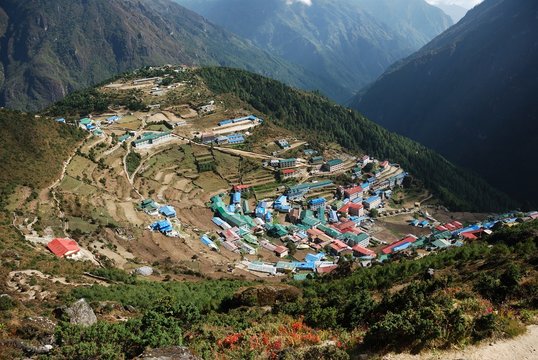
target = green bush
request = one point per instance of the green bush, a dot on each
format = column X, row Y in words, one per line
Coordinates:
column 6, row 303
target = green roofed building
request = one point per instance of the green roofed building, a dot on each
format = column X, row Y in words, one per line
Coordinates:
column 287, row 163
column 151, row 138
column 330, row 231
column 310, row 222
column 278, row 230
column 361, row 239
column 251, row 239
column 316, row 160
column 333, row 165
column 301, row 190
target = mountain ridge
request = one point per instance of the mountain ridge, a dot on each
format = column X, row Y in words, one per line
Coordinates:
column 347, row 41
column 48, row 50
column 467, row 86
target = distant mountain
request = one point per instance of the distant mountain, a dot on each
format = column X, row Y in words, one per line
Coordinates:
column 456, row 12
column 348, row 41
column 471, row 94
column 48, row 48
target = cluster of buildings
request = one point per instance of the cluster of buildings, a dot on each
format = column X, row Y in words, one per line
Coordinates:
column 167, row 212
column 227, row 131
column 452, row 233
column 93, row 126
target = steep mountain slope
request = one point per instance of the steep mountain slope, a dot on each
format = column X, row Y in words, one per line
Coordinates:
column 470, row 94
column 32, row 150
column 455, row 11
column 49, row 48
column 349, row 41
column 321, row 119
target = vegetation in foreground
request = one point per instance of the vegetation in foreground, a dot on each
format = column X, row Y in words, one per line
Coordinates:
column 487, row 289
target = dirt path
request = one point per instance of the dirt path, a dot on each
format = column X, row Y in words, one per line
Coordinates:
column 524, row 347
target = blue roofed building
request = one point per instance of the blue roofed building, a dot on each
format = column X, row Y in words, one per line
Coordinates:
column 315, row 204
column 113, row 119
column 236, row 138
column 314, row 257
column 167, row 211
column 163, row 226
column 372, row 202
column 236, row 197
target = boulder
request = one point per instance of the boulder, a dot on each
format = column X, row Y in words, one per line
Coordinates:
column 144, row 271
column 79, row 313
column 169, row 353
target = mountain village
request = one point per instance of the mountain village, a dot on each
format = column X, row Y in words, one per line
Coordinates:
column 297, row 211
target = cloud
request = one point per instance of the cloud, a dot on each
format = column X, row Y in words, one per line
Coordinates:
column 463, row 3
column 305, row 2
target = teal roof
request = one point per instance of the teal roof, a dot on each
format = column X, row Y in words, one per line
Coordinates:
column 441, row 244
column 124, row 137
column 85, row 121
column 330, row 231
column 151, row 136
column 310, row 221
column 334, row 162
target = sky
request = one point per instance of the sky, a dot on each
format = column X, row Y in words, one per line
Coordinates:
column 468, row 4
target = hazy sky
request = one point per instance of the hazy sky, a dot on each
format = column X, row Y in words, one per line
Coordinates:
column 464, row 3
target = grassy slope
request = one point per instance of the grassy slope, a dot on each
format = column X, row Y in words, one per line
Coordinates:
column 32, row 150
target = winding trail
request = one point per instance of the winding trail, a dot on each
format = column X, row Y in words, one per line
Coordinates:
column 524, row 347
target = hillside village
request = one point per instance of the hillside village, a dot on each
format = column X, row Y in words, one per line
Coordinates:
column 209, row 185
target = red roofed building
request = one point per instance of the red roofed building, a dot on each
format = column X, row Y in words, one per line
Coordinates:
column 359, row 251
column 352, row 209
column 339, row 248
column 230, row 235
column 344, row 225
column 457, row 224
column 472, row 235
column 317, row 236
column 450, row 227
column 469, row 236
column 353, row 193
column 326, row 269
column 63, row 247
column 287, row 173
column 281, row 251
column 407, row 239
column 384, row 164
column 240, row 187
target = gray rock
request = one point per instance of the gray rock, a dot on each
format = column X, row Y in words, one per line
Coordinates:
column 169, row 353
column 81, row 313
column 144, row 271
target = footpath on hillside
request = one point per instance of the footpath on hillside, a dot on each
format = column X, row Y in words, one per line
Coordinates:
column 524, row 347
